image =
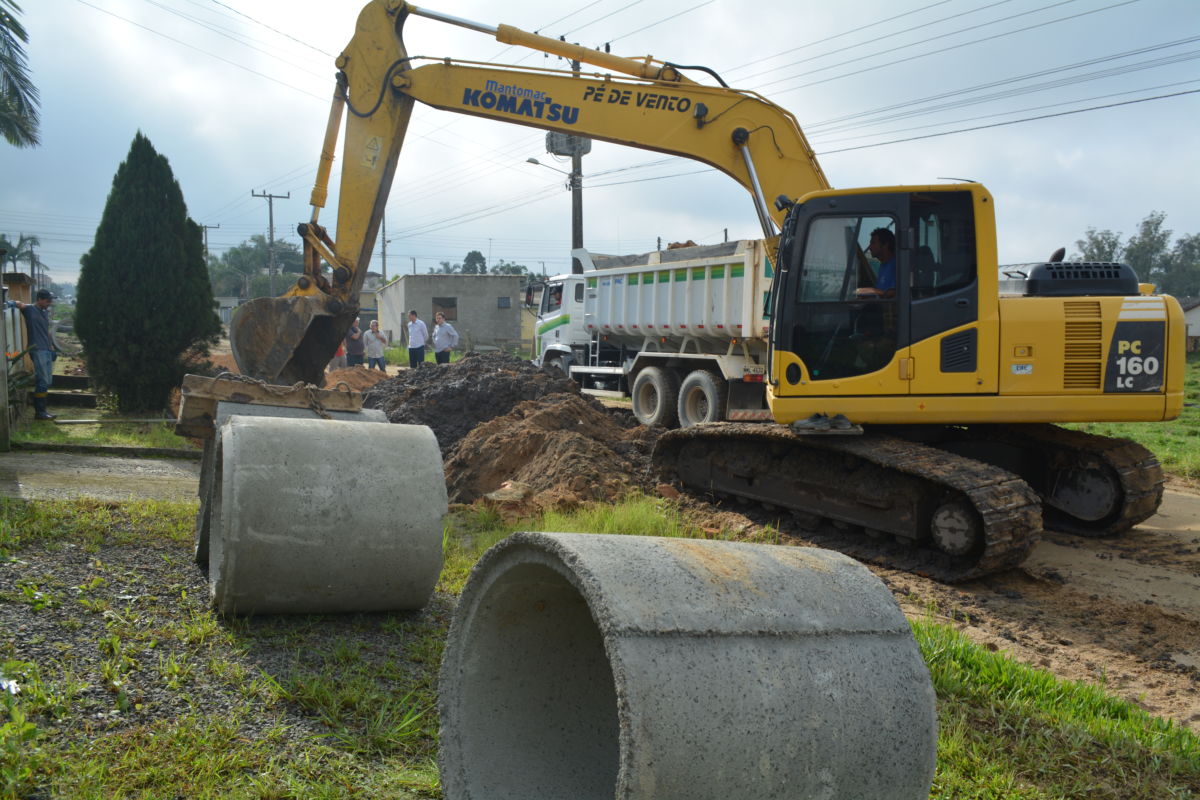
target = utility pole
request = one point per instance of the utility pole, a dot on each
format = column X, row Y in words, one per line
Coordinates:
column 271, row 198
column 33, row 267
column 5, row 445
column 205, row 228
column 383, row 238
column 576, row 195
column 414, row 260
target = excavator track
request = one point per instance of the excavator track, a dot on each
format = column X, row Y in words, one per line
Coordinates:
column 1091, row 485
column 921, row 509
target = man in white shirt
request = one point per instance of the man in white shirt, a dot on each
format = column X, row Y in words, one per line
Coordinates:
column 418, row 335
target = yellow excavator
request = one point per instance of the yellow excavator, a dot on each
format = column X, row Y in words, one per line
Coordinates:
column 947, row 373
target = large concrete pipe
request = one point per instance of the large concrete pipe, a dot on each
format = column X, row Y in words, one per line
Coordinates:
column 208, row 464
column 586, row 666
column 312, row 515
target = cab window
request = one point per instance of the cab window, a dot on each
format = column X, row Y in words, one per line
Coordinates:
column 552, row 298
column 844, row 327
column 944, row 254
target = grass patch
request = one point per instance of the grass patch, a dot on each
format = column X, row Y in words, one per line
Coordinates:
column 1176, row 443
column 1008, row 730
column 112, row 431
column 148, row 694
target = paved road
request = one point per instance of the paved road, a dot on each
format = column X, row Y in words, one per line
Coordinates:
column 61, row 476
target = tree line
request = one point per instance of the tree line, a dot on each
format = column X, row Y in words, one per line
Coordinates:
column 241, row 271
column 1173, row 267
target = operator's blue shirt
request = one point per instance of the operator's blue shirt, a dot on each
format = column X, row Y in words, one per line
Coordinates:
column 887, row 276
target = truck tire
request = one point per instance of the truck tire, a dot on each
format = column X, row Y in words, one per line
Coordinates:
column 655, row 394
column 702, row 398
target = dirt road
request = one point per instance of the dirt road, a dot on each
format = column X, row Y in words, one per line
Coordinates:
column 1122, row 612
column 63, row 476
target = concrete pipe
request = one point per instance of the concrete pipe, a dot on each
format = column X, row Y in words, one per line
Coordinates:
column 588, row 666
column 208, row 464
column 313, row 516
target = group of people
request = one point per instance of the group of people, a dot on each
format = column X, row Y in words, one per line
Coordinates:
column 369, row 344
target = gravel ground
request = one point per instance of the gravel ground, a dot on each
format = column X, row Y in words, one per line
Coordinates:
column 125, row 633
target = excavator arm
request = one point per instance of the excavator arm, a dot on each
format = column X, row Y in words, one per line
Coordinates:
column 649, row 105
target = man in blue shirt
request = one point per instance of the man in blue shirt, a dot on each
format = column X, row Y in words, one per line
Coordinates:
column 882, row 248
column 37, row 327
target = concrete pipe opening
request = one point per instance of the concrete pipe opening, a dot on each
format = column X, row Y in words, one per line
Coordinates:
column 590, row 666
column 318, row 516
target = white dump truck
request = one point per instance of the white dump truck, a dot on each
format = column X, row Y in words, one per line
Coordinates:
column 682, row 332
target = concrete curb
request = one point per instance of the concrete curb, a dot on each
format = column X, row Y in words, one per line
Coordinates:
column 109, row 450
column 590, row 666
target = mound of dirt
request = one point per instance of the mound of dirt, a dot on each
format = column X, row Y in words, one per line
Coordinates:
column 553, row 452
column 359, row 379
column 452, row 399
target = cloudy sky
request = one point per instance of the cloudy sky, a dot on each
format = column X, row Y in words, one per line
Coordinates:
column 235, row 94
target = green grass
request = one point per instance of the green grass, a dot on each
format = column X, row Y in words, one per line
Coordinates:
column 1176, row 443
column 1010, row 731
column 113, row 431
column 345, row 706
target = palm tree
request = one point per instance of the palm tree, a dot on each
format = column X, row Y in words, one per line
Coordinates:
column 22, row 251
column 18, row 95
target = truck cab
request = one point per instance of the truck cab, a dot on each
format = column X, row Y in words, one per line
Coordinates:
column 560, row 333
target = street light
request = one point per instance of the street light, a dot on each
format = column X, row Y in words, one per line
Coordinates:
column 575, row 183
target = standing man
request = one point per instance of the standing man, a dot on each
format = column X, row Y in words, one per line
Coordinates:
column 418, row 335
column 376, row 340
column 445, row 338
column 37, row 327
column 355, row 346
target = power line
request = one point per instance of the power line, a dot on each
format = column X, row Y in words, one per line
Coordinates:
column 944, row 49
column 908, row 104
column 199, row 50
column 274, row 30
column 813, row 140
column 891, row 35
column 1011, row 122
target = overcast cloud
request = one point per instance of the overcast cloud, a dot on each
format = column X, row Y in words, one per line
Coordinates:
column 235, row 94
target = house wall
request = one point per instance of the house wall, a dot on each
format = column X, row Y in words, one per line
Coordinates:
column 479, row 299
column 1192, row 318
column 19, row 287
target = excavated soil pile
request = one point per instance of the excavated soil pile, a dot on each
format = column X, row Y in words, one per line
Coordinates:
column 553, row 452
column 454, row 398
column 359, row 379
column 522, row 435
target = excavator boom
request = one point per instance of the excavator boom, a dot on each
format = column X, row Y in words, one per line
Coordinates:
column 650, row 105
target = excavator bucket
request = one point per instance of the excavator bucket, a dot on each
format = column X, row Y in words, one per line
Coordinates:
column 282, row 340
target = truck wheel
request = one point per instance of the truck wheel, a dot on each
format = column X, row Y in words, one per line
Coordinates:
column 702, row 398
column 555, row 363
column 655, row 391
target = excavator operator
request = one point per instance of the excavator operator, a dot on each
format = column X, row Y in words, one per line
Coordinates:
column 883, row 249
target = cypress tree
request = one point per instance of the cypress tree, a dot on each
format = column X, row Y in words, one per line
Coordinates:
column 144, row 302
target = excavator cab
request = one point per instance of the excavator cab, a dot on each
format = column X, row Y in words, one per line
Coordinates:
column 837, row 334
